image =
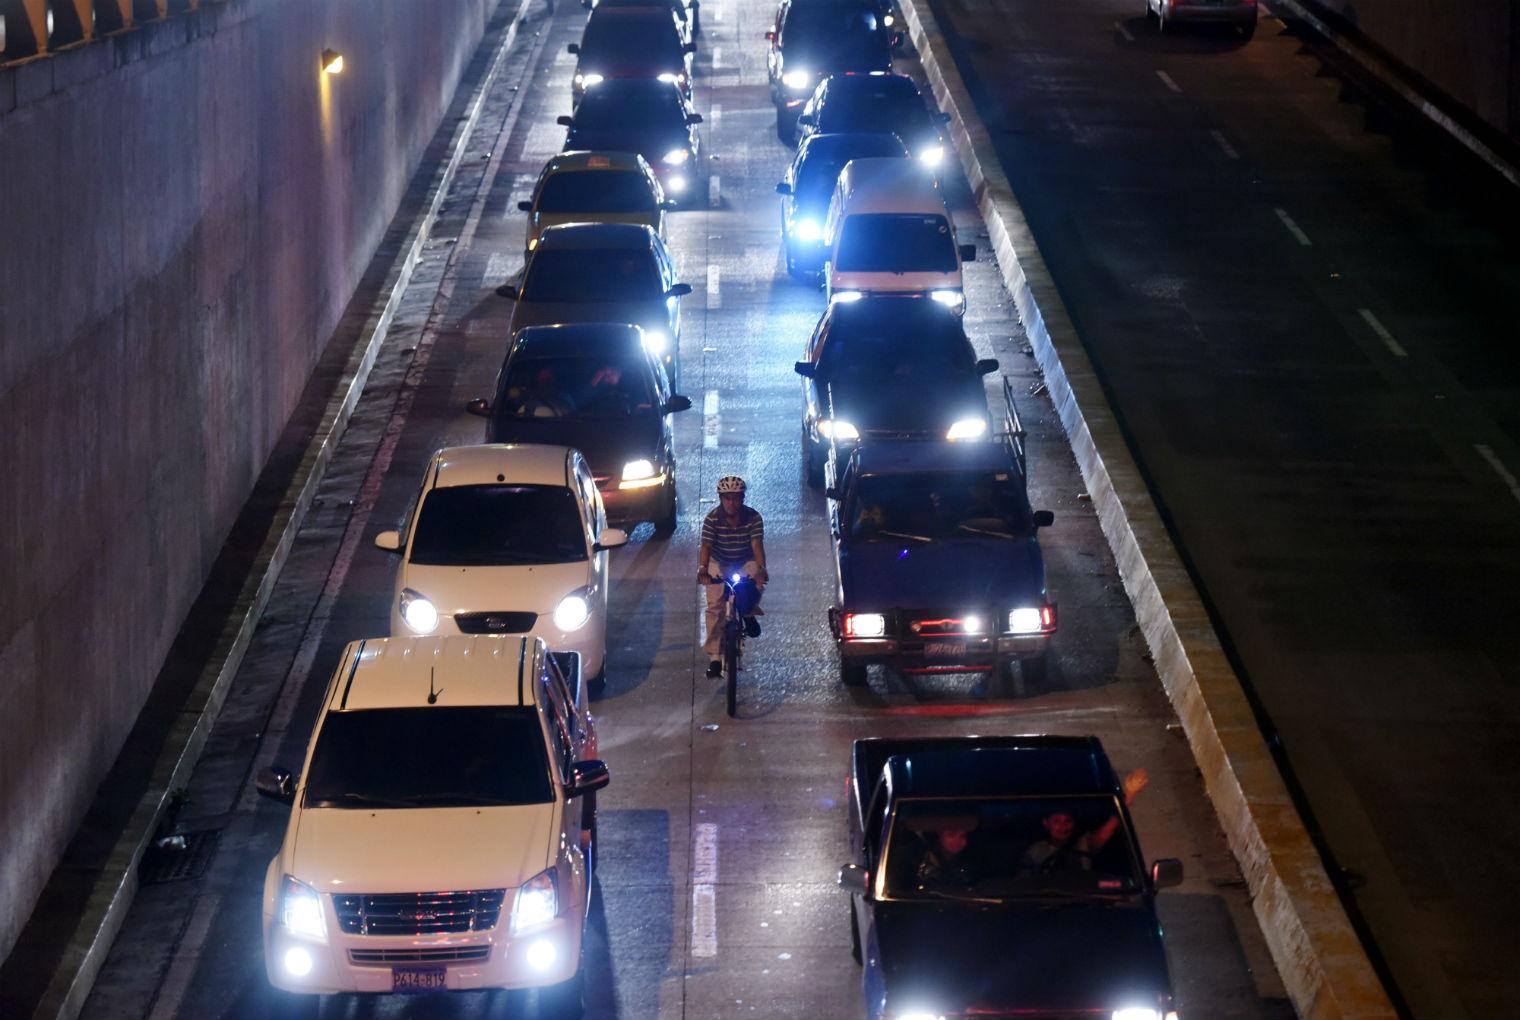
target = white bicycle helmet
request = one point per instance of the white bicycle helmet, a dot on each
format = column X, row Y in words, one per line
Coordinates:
column 730, row 483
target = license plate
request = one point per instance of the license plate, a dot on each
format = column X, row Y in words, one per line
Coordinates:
column 419, row 979
column 945, row 649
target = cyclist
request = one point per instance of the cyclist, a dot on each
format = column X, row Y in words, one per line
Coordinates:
column 733, row 542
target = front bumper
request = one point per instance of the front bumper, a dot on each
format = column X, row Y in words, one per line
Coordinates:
column 959, row 655
column 589, row 640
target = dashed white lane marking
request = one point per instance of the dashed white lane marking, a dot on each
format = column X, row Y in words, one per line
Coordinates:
column 714, row 192
column 714, row 287
column 704, row 895
column 1224, row 144
column 1166, row 80
column 497, row 268
column 1124, row 31
column 1504, row 473
column 1287, row 221
column 714, row 118
column 1382, row 332
column 710, row 420
column 717, row 61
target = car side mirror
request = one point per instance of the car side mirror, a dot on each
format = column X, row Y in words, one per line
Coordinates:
column 693, row 118
column 942, row 117
column 770, row 37
column 526, row 205
column 479, row 406
column 390, row 541
column 586, row 776
column 1044, row 518
column 677, row 402
column 783, row 188
column 506, row 290
column 806, row 369
column 968, row 252
column 1166, row 873
column 670, row 203
column 834, row 492
column 611, row 538
column 565, row 120
column 986, row 366
column 573, row 49
column 806, row 119
column 679, row 290
column 855, row 879
column 278, row 784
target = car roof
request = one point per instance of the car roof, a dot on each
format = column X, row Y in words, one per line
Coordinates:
column 460, row 669
column 578, row 338
column 889, row 184
column 496, row 463
column 588, row 236
column 586, row 159
column 833, row 142
column 1035, row 765
column 907, row 457
column 885, row 314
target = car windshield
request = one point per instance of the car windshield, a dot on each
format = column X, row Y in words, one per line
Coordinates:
column 577, row 387
column 640, row 40
column 429, row 757
column 824, row 24
column 601, row 191
column 1040, row 847
column 894, row 360
column 939, row 505
column 654, row 108
column 879, row 108
column 591, row 274
column 498, row 526
column 675, row 7
column 895, row 243
column 820, row 165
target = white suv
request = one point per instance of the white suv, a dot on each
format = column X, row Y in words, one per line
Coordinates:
column 506, row 538
column 442, row 828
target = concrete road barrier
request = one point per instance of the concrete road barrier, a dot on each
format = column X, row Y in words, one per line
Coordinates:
column 1318, row 955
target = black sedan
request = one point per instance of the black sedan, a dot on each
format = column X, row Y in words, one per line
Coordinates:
column 808, row 186
column 877, row 102
column 890, row 368
column 649, row 117
column 595, row 387
column 816, row 38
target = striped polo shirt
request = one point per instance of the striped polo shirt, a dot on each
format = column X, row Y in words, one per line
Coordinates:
column 730, row 543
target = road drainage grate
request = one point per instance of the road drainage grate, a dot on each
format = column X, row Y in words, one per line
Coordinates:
column 176, row 858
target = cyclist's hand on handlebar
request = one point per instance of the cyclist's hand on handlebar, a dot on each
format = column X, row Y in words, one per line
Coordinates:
column 703, row 577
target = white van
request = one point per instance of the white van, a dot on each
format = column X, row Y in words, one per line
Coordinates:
column 889, row 232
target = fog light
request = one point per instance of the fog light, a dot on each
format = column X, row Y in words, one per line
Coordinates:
column 542, row 954
column 297, row 962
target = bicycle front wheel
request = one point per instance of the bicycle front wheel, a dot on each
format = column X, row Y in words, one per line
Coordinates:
column 731, row 664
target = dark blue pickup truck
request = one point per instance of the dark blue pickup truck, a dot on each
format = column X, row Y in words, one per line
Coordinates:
column 965, row 903
column 937, row 561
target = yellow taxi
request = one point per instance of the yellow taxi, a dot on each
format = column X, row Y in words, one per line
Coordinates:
column 595, row 187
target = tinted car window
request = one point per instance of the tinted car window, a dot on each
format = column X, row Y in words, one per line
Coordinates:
column 1005, row 849
column 577, row 387
column 498, row 525
column 939, row 505
column 809, row 22
column 893, row 359
column 819, row 168
column 610, row 191
column 429, row 757
column 654, row 107
column 895, row 243
column 591, row 274
column 880, row 108
column 644, row 40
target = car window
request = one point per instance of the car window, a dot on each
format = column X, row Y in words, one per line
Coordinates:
column 651, row 107
column 601, row 191
column 645, row 40
column 893, row 360
column 1008, row 848
column 591, row 275
column 578, row 387
column 809, row 22
column 895, row 243
column 498, row 525
column 437, row 756
column 882, row 108
column 939, row 505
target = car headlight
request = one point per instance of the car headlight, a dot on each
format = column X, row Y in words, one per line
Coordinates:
column 888, row 20
column 932, row 155
column 807, row 230
column 832, row 428
column 588, row 80
column 971, row 624
column 846, row 296
column 956, row 299
column 419, row 614
column 1026, row 620
column 573, row 611
column 300, row 909
column 675, row 185
column 864, row 625
column 967, row 428
column 797, row 79
column 656, row 341
column 537, row 902
column 640, row 474
column 675, row 157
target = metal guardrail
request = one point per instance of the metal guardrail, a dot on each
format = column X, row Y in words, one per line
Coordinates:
column 1013, row 429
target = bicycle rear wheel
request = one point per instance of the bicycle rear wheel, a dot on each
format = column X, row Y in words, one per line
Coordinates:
column 731, row 664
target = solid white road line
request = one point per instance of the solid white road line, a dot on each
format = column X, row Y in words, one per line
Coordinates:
column 1287, row 221
column 1166, row 80
column 1224, row 144
column 1382, row 333
column 1124, row 31
column 714, row 287
column 1504, row 473
column 704, row 893
column 497, row 268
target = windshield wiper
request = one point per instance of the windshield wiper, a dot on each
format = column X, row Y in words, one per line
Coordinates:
column 459, row 798
column 983, row 531
column 368, row 800
column 940, row 895
column 903, row 535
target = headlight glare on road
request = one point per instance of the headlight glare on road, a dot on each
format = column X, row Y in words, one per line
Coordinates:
column 1026, row 620
column 954, row 298
column 301, row 910
column 797, row 79
column 808, row 231
column 932, row 155
column 675, row 157
column 846, row 296
column 842, row 431
column 537, row 903
column 864, row 625
column 967, row 428
column 297, row 962
column 572, row 612
column 420, row 614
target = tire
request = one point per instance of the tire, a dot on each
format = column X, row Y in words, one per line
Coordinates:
column 1248, row 30
column 854, row 933
column 852, row 674
column 665, row 524
column 1036, row 670
column 731, row 665
column 564, row 1001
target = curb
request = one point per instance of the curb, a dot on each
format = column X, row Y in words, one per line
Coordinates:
column 112, row 893
column 1313, row 944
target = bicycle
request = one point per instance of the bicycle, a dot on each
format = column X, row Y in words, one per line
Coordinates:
column 741, row 594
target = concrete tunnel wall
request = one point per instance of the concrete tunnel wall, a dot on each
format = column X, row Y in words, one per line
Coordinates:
column 185, row 209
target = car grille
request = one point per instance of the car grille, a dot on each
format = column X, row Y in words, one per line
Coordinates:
column 449, row 954
column 495, row 623
column 936, row 626
column 428, row 913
